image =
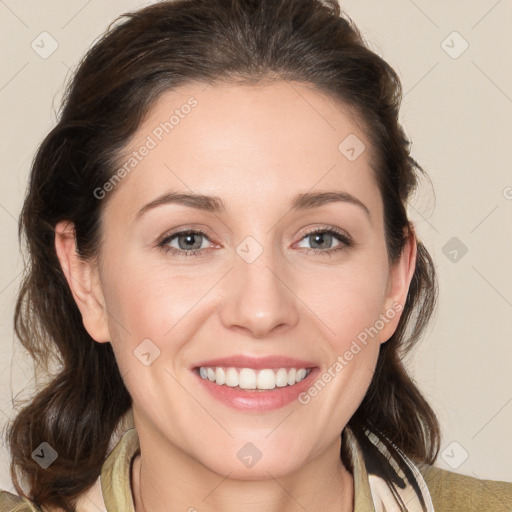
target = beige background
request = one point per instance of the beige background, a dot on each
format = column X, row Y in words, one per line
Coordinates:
column 458, row 112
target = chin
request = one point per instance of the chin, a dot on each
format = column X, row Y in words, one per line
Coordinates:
column 257, row 469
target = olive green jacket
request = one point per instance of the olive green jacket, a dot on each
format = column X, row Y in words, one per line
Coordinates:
column 448, row 491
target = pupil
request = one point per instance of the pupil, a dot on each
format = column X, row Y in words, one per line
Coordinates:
column 321, row 238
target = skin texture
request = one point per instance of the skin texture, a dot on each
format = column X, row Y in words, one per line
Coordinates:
column 255, row 147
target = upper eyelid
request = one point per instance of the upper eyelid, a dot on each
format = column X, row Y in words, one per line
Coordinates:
column 171, row 235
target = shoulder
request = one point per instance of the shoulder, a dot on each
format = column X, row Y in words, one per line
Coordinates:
column 452, row 491
column 12, row 503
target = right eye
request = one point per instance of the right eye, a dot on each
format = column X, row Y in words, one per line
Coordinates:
column 185, row 243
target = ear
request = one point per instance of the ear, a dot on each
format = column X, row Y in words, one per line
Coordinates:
column 83, row 280
column 400, row 276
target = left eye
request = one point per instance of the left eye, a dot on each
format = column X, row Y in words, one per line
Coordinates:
column 322, row 240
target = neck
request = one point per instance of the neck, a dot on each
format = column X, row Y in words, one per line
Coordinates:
column 164, row 479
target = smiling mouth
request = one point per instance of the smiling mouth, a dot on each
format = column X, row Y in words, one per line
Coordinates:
column 265, row 379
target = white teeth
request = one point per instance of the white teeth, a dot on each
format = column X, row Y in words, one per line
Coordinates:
column 301, row 374
column 231, row 378
column 266, row 379
column 248, row 378
column 281, row 378
column 220, row 376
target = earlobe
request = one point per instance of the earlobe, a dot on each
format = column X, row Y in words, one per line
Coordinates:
column 400, row 277
column 83, row 281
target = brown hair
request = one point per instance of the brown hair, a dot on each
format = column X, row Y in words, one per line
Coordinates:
column 149, row 51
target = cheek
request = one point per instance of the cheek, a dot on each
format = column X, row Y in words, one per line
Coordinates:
column 350, row 306
column 347, row 300
column 152, row 302
column 149, row 296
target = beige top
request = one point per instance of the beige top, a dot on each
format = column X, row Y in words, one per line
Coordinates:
column 450, row 492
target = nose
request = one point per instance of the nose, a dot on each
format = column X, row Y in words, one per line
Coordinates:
column 258, row 298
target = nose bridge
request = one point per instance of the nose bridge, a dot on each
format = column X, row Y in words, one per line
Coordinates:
column 256, row 298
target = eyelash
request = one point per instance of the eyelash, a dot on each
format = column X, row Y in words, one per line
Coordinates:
column 346, row 242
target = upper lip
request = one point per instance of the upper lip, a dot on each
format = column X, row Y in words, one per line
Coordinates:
column 257, row 363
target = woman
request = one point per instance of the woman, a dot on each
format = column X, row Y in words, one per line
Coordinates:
column 221, row 258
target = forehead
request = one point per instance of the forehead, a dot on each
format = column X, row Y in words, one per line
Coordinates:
column 254, row 145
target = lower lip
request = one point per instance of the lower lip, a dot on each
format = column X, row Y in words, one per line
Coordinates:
column 254, row 400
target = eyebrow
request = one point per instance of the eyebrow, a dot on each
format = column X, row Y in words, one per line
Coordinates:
column 315, row 199
column 214, row 204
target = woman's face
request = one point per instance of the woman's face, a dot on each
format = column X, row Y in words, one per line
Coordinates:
column 246, row 236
